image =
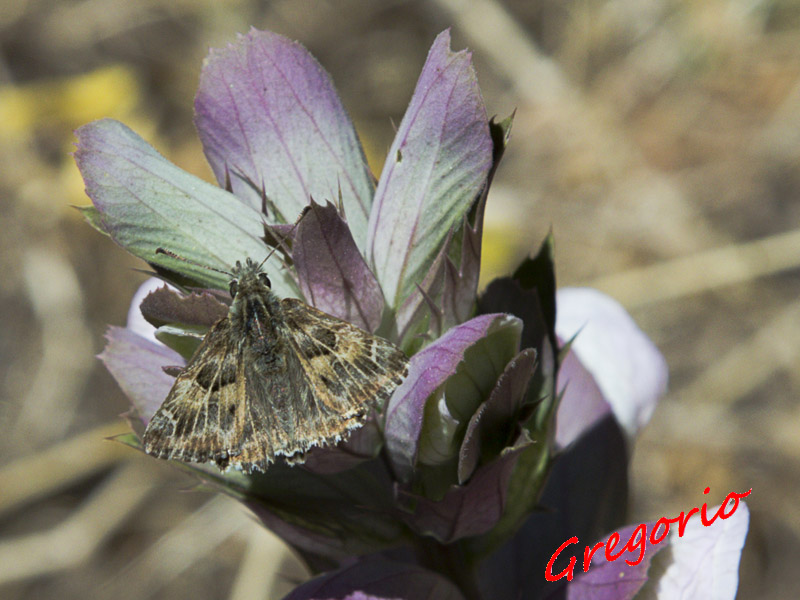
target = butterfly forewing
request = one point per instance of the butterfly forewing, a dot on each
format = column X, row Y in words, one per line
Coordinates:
column 346, row 370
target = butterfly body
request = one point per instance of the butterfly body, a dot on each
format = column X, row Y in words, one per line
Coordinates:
column 272, row 378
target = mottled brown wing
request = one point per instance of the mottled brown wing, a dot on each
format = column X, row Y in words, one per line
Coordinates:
column 210, row 413
column 347, row 370
column 244, row 399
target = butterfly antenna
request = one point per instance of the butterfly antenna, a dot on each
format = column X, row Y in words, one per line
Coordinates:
column 191, row 262
column 281, row 241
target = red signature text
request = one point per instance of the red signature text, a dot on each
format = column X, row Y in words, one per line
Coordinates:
column 638, row 539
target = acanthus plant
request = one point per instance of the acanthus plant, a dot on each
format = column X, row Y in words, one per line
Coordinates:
column 513, row 429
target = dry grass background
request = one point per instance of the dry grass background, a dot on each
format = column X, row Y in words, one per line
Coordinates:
column 660, row 139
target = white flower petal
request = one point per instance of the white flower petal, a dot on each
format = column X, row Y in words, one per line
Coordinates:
column 629, row 370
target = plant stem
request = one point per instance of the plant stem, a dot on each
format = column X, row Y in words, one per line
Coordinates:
column 450, row 560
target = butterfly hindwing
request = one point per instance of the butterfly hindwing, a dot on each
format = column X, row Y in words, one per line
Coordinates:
column 331, row 374
column 214, row 411
column 349, row 369
column 201, row 415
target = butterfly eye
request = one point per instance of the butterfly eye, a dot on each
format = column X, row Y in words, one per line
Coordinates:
column 234, row 287
column 264, row 279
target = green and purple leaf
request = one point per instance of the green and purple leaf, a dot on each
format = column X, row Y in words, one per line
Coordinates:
column 469, row 509
column 507, row 295
column 332, row 515
column 585, row 495
column 435, row 169
column 493, row 425
column 447, row 292
column 273, row 126
column 430, row 369
column 331, row 271
column 144, row 202
column 461, row 277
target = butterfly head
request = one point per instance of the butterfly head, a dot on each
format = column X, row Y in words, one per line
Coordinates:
column 248, row 277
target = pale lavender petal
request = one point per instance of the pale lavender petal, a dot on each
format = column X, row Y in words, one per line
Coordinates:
column 331, row 271
column 272, row 124
column 421, row 312
column 704, row 562
column 628, row 369
column 377, row 579
column 447, row 293
column 429, row 369
column 470, row 509
column 445, row 296
column 612, row 580
column 430, row 309
column 435, row 169
column 491, row 427
column 135, row 362
column 145, row 202
column 582, row 403
column 461, row 280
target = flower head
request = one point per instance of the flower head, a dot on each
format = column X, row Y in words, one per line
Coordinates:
column 448, row 471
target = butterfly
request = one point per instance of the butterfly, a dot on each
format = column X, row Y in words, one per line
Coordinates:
column 273, row 378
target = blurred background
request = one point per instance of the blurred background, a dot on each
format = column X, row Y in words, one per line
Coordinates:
column 659, row 139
